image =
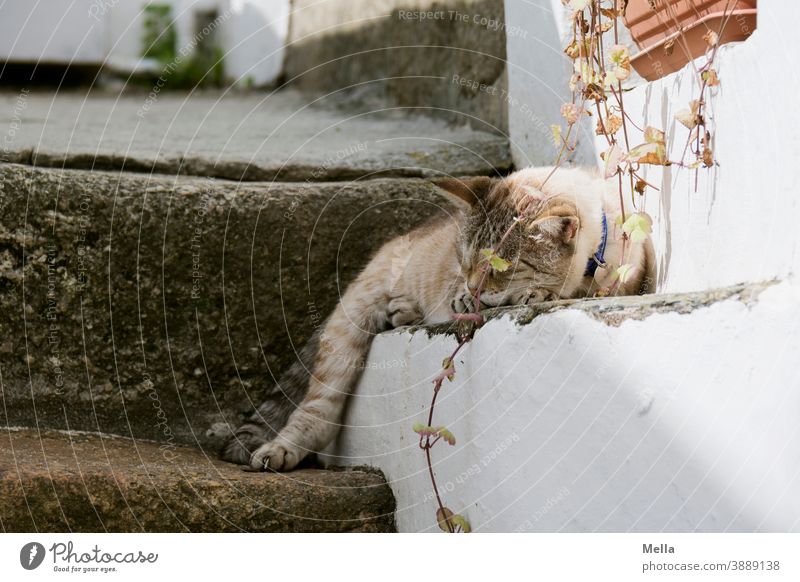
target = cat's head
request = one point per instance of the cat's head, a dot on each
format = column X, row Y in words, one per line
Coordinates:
column 540, row 247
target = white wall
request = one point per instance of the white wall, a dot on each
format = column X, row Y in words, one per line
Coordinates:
column 50, row 31
column 538, row 75
column 673, row 423
column 254, row 40
column 252, row 33
column 740, row 223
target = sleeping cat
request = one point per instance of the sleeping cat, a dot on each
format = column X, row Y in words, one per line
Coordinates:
column 565, row 245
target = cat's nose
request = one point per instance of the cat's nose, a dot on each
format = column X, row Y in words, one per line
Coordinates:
column 473, row 283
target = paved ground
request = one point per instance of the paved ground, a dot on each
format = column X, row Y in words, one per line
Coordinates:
column 237, row 136
column 60, row 482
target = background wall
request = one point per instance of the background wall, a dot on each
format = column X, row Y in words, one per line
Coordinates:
column 739, row 221
column 250, row 33
column 733, row 224
column 50, row 31
column 408, row 53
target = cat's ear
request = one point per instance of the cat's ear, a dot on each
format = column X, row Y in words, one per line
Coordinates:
column 467, row 190
column 560, row 229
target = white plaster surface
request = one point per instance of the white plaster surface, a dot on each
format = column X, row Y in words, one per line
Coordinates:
column 538, row 76
column 739, row 222
column 735, row 223
column 50, row 31
column 253, row 40
column 251, row 33
column 672, row 423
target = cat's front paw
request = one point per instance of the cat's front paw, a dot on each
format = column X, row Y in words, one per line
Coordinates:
column 276, row 456
column 463, row 302
column 401, row 311
column 540, row 296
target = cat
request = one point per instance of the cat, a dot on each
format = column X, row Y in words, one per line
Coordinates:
column 566, row 243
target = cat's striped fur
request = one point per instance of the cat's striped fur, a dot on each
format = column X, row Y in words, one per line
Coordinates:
column 426, row 275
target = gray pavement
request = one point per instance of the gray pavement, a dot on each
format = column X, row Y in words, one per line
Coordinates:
column 254, row 137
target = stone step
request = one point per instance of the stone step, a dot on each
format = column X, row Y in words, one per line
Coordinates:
column 252, row 136
column 159, row 307
column 72, row 482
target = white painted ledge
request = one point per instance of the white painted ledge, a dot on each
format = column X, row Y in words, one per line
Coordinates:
column 673, row 413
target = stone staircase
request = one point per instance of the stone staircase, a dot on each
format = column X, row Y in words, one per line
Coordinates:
column 159, row 267
column 79, row 482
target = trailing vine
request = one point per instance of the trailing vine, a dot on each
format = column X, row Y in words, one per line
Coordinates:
column 596, row 88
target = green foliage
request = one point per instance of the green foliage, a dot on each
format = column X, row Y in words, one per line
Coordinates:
column 159, row 40
column 424, row 430
column 457, row 523
column 202, row 68
column 637, row 226
column 497, row 262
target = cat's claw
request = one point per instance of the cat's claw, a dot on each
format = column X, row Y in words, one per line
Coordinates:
column 540, row 296
column 275, row 456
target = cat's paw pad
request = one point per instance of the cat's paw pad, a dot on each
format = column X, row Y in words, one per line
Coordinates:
column 276, row 456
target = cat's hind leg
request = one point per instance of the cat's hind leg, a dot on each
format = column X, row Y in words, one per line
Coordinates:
column 271, row 416
column 344, row 344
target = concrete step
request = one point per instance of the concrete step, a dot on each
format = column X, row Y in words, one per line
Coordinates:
column 158, row 307
column 448, row 58
column 253, row 136
column 73, row 482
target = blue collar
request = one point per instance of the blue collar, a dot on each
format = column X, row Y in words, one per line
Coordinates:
column 598, row 258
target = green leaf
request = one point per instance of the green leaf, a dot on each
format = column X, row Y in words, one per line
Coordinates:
column 424, row 429
column 653, row 151
column 447, row 435
column 499, row 264
column 443, row 515
column 555, row 130
column 612, row 159
column 638, row 235
column 461, row 521
column 623, row 272
column 637, row 226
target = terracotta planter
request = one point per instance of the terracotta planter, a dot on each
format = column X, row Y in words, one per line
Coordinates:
column 657, row 32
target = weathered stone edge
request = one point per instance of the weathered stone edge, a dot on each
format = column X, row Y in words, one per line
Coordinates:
column 495, row 153
column 222, row 498
column 612, row 311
